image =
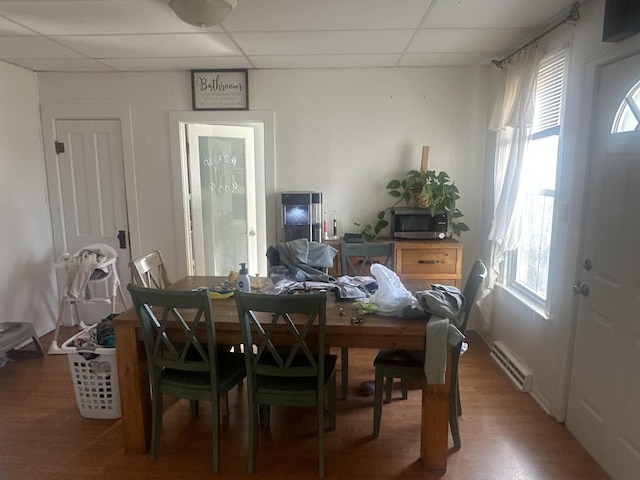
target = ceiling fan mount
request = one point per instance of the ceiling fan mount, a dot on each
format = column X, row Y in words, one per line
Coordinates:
column 203, row 13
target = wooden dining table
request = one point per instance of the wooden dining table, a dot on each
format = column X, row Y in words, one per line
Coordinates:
column 375, row 331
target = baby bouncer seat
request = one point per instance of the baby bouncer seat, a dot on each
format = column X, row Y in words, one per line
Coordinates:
column 92, row 277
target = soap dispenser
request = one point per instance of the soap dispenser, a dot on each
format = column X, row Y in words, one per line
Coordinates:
column 244, row 282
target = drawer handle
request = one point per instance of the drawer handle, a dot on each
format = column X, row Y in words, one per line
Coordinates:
column 429, row 262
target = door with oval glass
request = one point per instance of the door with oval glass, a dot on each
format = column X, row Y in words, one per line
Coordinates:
column 605, row 380
column 225, row 196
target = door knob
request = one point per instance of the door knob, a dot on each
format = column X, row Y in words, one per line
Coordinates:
column 252, row 233
column 587, row 264
column 581, row 289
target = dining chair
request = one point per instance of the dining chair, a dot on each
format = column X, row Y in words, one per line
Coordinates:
column 355, row 260
column 284, row 345
column 179, row 364
column 408, row 365
column 150, row 271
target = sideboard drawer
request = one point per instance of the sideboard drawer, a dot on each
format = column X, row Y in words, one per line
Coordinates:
column 432, row 262
column 437, row 261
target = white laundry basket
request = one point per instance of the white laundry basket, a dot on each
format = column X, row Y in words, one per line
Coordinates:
column 95, row 377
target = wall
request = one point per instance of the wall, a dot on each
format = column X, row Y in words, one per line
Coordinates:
column 344, row 132
column 545, row 344
column 28, row 291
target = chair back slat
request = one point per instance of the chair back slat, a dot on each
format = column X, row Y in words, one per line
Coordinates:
column 356, row 258
column 170, row 321
column 283, row 333
column 150, row 271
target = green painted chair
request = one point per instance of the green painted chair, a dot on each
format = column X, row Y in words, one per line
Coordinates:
column 179, row 364
column 284, row 342
column 356, row 259
column 406, row 366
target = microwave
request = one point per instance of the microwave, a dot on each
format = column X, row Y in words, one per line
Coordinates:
column 418, row 223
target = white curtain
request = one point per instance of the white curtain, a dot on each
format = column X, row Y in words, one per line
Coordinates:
column 512, row 119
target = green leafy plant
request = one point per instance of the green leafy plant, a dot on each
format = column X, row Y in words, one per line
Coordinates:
column 424, row 189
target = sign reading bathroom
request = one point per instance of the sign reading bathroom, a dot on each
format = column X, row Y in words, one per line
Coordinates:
column 220, row 89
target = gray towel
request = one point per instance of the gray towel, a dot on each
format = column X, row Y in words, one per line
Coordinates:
column 446, row 306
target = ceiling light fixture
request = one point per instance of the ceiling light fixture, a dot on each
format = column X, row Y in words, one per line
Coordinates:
column 203, row 13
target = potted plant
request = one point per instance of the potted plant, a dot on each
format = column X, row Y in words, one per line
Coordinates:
column 423, row 189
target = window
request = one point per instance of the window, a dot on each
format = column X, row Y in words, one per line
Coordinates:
column 628, row 117
column 529, row 264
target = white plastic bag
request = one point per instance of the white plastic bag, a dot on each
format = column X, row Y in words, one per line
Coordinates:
column 392, row 296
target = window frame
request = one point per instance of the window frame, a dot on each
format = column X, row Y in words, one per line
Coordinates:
column 518, row 288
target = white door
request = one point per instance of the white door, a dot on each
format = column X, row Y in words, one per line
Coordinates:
column 604, row 398
column 87, row 190
column 225, row 199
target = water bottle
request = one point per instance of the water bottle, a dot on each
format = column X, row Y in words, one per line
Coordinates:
column 244, row 282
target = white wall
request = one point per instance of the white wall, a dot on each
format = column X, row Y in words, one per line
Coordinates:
column 28, row 291
column 344, row 132
column 347, row 133
column 545, row 345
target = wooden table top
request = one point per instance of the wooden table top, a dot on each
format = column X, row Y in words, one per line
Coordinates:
column 374, row 331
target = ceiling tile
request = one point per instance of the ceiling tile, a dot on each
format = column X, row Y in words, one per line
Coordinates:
column 33, row 47
column 324, row 61
column 8, row 27
column 154, row 46
column 492, row 14
column 464, row 40
column 61, row 64
column 176, row 63
column 313, row 43
column 296, row 15
column 84, row 17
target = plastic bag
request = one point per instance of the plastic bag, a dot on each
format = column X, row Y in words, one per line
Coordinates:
column 392, row 296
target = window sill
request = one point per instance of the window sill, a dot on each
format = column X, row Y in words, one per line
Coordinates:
column 538, row 309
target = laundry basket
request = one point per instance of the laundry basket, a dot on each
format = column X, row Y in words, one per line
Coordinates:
column 95, row 376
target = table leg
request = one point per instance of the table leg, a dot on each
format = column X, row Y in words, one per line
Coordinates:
column 435, row 423
column 134, row 390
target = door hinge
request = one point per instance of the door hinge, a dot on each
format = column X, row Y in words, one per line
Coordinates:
column 59, row 147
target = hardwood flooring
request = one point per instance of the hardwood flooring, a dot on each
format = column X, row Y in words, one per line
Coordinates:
column 505, row 434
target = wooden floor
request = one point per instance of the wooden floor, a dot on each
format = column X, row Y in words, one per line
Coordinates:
column 505, row 434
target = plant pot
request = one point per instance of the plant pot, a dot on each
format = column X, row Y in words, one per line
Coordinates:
column 420, row 199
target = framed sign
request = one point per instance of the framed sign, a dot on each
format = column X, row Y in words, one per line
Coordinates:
column 220, row 89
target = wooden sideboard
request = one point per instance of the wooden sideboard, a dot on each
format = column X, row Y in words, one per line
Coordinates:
column 437, row 261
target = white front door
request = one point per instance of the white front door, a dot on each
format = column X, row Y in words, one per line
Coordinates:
column 604, row 398
column 87, row 190
column 227, row 199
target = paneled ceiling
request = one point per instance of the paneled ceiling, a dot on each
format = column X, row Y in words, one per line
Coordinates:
column 146, row 35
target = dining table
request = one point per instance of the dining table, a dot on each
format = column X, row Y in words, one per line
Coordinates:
column 373, row 331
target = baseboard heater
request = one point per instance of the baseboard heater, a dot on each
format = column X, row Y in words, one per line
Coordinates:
column 520, row 374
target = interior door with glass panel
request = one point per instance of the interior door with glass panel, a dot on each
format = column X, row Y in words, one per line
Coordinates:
column 223, row 190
